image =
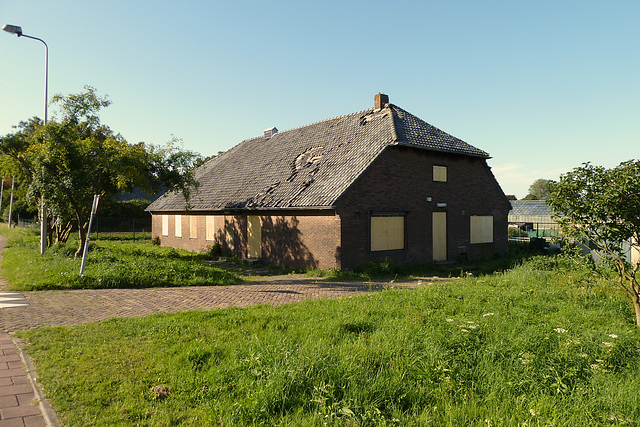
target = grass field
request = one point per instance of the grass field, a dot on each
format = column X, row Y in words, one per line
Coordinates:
column 121, row 263
column 544, row 343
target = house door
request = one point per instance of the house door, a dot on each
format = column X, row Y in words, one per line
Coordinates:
column 439, row 236
column 254, row 237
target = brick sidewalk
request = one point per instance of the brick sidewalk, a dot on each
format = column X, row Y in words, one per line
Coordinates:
column 18, row 403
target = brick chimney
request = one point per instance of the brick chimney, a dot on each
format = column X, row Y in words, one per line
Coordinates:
column 380, row 100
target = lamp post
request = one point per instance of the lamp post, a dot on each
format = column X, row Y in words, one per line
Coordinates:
column 15, row 29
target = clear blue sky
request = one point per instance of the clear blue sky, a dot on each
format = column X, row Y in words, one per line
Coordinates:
column 542, row 86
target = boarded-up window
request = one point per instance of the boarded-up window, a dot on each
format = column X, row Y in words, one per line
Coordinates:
column 210, row 229
column 481, row 229
column 440, row 173
column 387, row 232
column 165, row 225
column 178, row 219
column 254, row 236
column 439, row 236
column 193, row 227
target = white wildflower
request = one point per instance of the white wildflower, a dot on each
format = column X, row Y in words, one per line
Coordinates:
column 487, row 314
column 561, row 330
column 613, row 336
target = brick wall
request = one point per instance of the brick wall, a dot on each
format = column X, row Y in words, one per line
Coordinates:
column 308, row 239
column 401, row 180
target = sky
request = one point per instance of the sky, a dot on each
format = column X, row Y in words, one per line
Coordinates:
column 542, row 86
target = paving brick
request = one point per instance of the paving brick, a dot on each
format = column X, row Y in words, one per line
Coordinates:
column 8, row 401
column 15, row 364
column 10, row 357
column 14, row 422
column 27, row 399
column 20, row 411
column 16, row 389
column 13, row 372
column 34, row 421
column 20, row 379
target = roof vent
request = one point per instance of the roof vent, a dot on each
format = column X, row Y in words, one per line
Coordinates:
column 380, row 100
column 268, row 133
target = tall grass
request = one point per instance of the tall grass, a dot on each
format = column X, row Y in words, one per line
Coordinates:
column 110, row 264
column 542, row 344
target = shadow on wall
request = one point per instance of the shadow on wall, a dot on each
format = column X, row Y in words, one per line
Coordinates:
column 282, row 243
column 230, row 236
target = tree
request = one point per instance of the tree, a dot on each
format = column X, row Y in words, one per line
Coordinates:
column 602, row 206
column 68, row 160
column 538, row 190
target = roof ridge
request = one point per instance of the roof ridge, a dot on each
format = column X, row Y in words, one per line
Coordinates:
column 393, row 122
column 314, row 123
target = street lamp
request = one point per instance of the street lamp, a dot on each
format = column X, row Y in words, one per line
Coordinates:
column 15, row 29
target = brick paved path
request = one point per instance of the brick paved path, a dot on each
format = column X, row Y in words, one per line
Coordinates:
column 61, row 308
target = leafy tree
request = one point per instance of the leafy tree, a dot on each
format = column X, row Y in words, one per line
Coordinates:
column 68, row 160
column 602, row 206
column 538, row 190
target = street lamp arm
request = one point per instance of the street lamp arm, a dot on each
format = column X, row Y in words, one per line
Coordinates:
column 17, row 30
column 46, row 72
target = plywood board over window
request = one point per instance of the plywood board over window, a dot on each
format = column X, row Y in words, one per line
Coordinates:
column 387, row 233
column 481, row 229
column 439, row 236
column 440, row 173
column 254, row 236
column 165, row 225
column 193, row 227
column 210, row 229
column 178, row 226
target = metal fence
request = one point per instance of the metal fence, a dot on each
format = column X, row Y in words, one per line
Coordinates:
column 103, row 225
column 121, row 225
column 28, row 222
column 523, row 232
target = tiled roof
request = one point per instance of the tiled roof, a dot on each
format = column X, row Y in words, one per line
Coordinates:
column 416, row 132
column 309, row 166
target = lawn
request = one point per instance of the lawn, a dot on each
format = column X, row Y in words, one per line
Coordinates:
column 121, row 263
column 541, row 344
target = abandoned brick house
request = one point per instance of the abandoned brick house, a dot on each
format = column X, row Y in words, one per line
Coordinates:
column 378, row 184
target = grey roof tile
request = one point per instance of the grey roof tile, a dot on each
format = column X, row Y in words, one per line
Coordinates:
column 309, row 166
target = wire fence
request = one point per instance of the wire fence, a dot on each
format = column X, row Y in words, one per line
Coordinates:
column 121, row 225
column 28, row 222
column 102, row 225
column 524, row 232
